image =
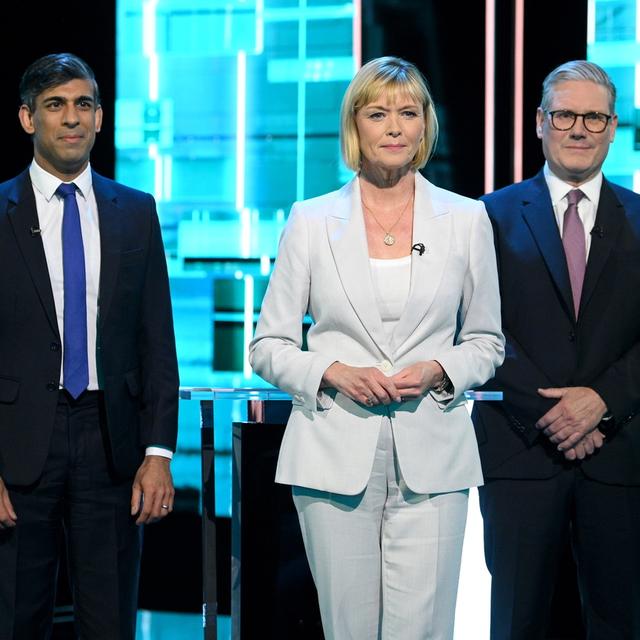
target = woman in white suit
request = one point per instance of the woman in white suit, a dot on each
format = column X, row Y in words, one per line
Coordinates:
column 400, row 280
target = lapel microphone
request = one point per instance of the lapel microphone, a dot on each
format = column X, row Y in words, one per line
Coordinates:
column 597, row 231
column 419, row 247
column 34, row 231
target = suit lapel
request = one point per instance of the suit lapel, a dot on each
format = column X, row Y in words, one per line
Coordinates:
column 432, row 227
column 537, row 212
column 23, row 217
column 110, row 221
column 609, row 217
column 348, row 242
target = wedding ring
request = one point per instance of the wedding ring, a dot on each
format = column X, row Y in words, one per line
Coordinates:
column 369, row 401
column 165, row 506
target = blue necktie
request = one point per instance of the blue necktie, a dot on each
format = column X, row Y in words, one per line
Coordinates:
column 75, row 368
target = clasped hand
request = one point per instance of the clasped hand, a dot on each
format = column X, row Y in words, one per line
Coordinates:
column 369, row 386
column 572, row 423
column 8, row 516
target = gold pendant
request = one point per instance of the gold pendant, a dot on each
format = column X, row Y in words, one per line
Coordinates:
column 389, row 239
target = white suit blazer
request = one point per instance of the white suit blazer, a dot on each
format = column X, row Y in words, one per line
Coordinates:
column 452, row 315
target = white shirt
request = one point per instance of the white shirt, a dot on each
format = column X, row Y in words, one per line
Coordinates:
column 587, row 207
column 50, row 208
column 391, row 282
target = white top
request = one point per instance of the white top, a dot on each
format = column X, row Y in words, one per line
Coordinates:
column 50, row 209
column 391, row 282
column 587, row 207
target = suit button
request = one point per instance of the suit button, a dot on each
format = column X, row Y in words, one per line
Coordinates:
column 54, row 346
column 52, row 386
column 572, row 336
column 385, row 365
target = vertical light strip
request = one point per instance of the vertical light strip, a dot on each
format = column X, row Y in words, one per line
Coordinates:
column 489, row 93
column 241, row 111
column 518, row 89
column 357, row 34
column 259, row 48
column 248, row 324
column 591, row 22
column 153, row 78
column 149, row 45
column 167, row 183
column 245, row 233
column 154, row 155
column 302, row 98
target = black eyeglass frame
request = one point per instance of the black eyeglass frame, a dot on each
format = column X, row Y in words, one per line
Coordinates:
column 567, row 112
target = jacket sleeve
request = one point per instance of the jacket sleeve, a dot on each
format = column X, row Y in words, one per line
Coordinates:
column 156, row 344
column 479, row 343
column 276, row 352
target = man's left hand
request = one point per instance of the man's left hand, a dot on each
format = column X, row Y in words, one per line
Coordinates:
column 578, row 412
column 152, row 494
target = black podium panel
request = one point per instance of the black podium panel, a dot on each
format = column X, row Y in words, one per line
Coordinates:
column 273, row 595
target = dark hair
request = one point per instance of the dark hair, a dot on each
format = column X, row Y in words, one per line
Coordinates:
column 53, row 70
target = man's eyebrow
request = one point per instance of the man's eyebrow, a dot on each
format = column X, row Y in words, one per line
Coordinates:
column 62, row 99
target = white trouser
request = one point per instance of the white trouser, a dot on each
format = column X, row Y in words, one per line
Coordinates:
column 386, row 561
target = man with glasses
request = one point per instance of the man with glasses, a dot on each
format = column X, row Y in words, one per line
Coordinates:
column 561, row 454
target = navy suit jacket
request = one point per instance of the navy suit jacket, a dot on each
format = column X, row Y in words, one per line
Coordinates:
column 135, row 353
column 547, row 347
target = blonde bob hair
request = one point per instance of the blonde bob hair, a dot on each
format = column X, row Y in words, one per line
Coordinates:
column 396, row 76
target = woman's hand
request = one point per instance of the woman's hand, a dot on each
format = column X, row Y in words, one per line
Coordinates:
column 366, row 385
column 414, row 381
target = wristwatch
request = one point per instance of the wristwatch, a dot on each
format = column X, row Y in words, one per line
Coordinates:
column 445, row 385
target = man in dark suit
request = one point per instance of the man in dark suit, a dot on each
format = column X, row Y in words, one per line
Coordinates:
column 88, row 372
column 561, row 454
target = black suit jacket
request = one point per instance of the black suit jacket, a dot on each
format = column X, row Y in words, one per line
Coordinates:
column 136, row 355
column 547, row 347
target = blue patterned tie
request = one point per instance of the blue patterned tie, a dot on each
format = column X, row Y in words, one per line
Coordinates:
column 75, row 368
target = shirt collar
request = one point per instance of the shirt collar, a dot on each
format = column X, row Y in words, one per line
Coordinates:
column 47, row 184
column 558, row 189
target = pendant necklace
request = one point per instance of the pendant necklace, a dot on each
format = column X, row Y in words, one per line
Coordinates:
column 389, row 238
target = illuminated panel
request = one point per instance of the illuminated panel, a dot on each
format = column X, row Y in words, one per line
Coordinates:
column 613, row 42
column 227, row 111
column 241, row 108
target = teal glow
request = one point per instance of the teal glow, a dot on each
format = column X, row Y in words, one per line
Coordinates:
column 227, row 111
column 613, row 42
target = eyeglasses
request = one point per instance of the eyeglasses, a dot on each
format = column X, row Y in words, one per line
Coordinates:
column 593, row 121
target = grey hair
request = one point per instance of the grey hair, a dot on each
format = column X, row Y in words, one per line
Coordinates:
column 578, row 70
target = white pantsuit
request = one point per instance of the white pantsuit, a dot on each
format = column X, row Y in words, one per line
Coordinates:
column 331, row 442
column 386, row 545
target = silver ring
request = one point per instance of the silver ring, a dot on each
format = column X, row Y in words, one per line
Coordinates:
column 369, row 401
column 165, row 506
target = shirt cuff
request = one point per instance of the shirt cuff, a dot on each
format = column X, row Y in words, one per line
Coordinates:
column 158, row 451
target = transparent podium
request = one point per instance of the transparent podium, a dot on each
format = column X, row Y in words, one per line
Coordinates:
column 270, row 581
